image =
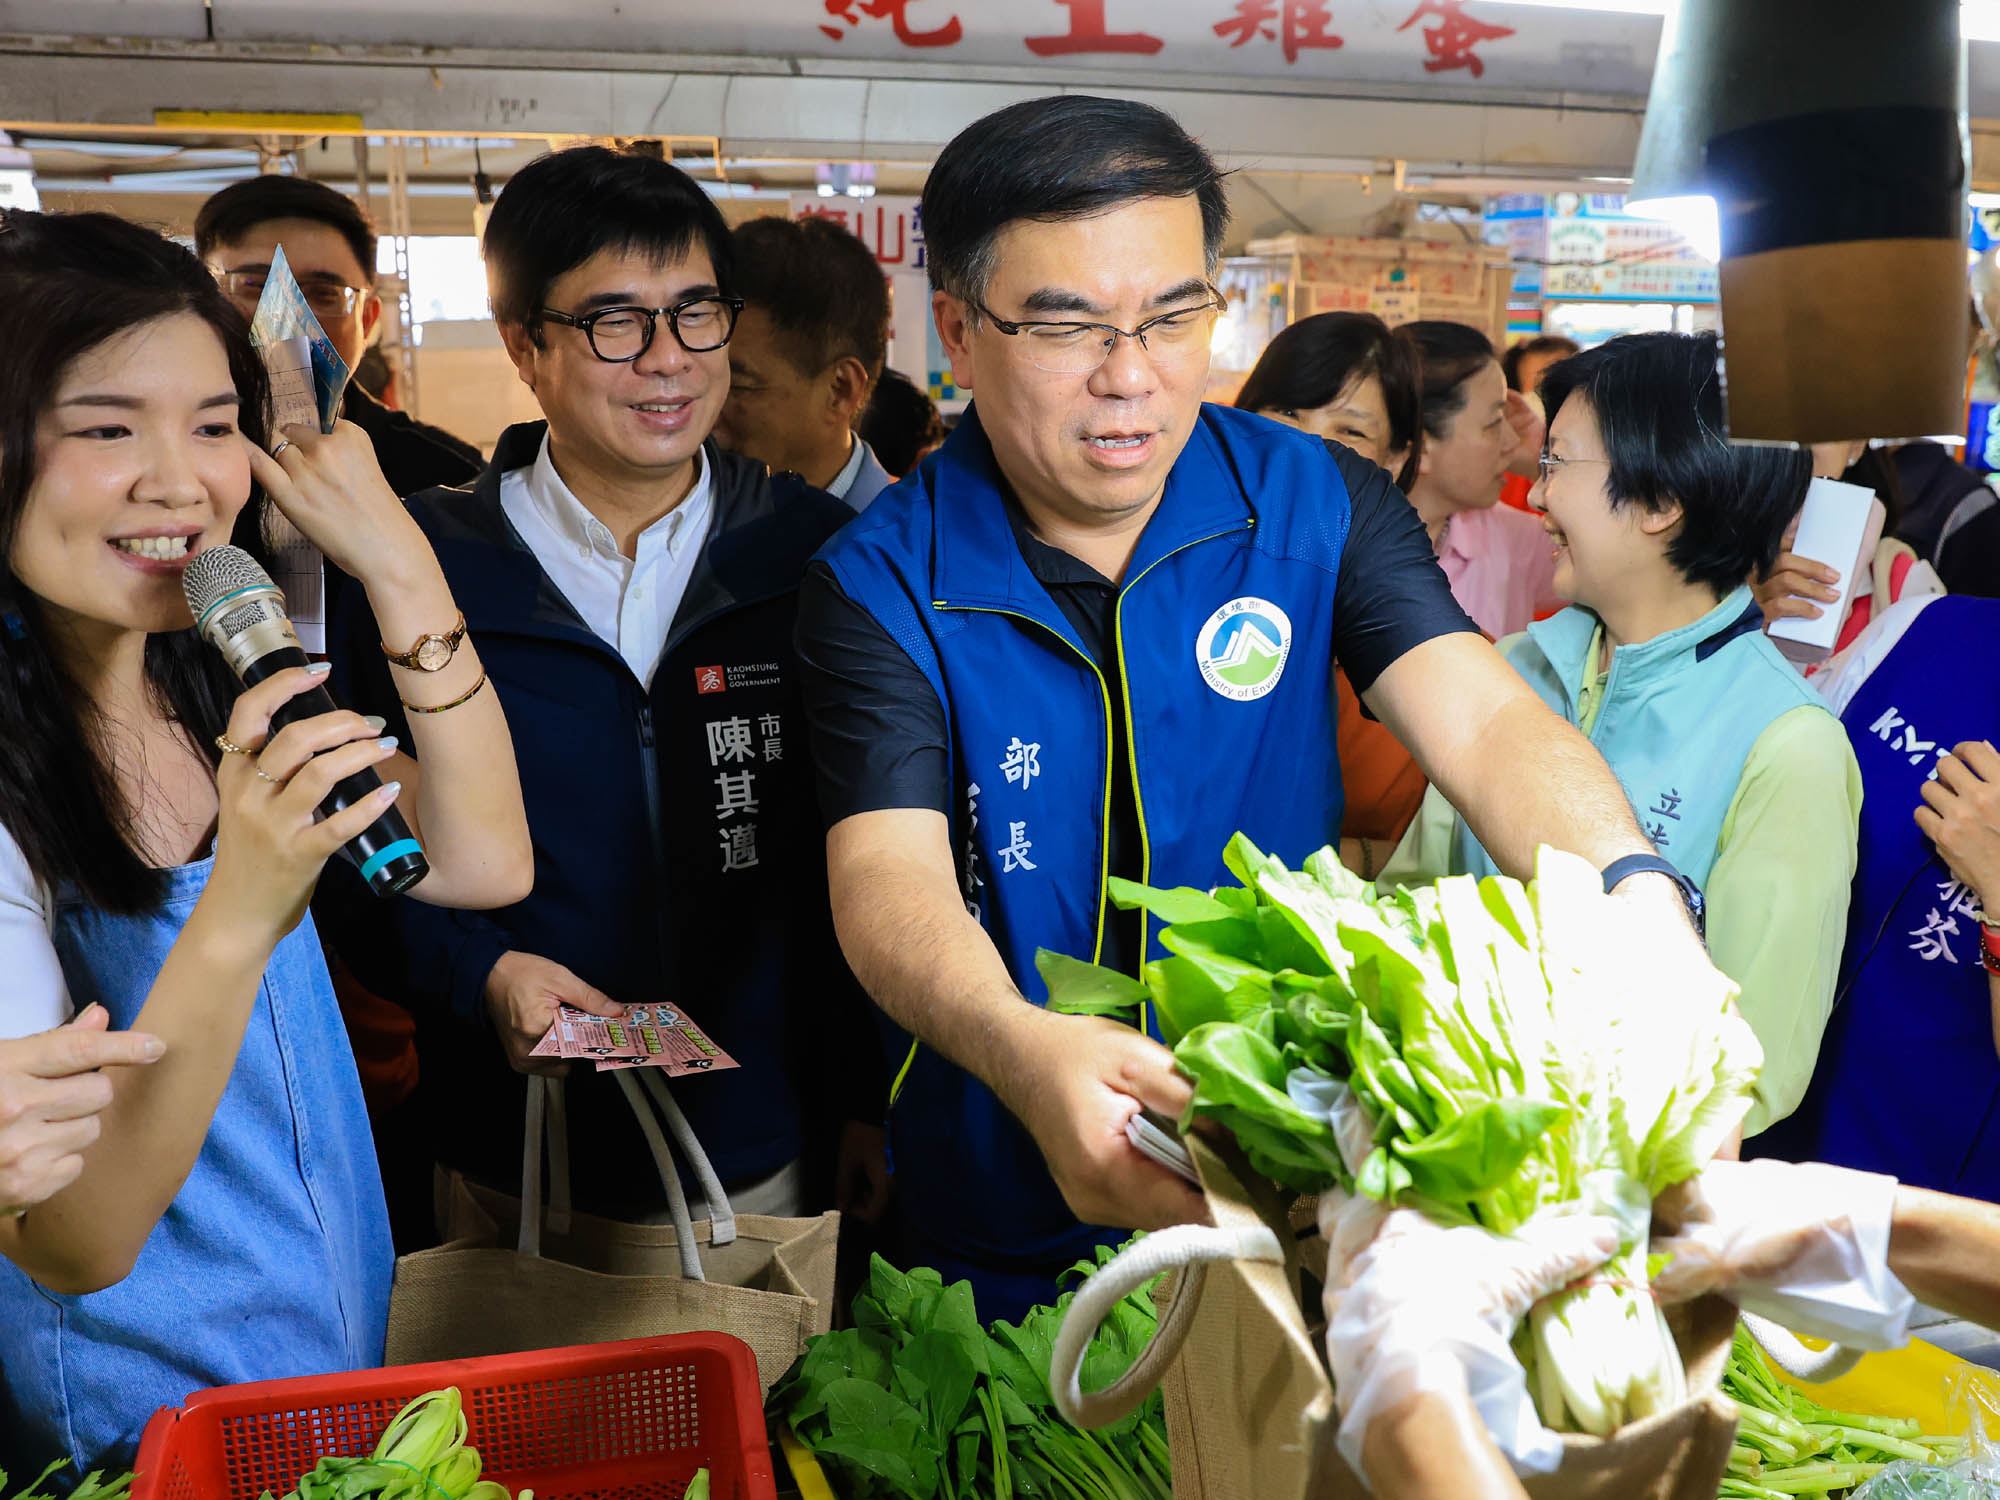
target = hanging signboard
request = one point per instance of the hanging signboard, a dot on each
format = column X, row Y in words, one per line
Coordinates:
column 893, row 227
column 1584, row 247
column 1457, row 42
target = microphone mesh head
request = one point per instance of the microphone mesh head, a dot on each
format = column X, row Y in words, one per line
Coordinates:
column 217, row 573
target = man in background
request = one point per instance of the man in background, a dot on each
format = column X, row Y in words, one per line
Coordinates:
column 806, row 353
column 330, row 246
column 901, row 423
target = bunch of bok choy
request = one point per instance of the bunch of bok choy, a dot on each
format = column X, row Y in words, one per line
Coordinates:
column 1511, row 1052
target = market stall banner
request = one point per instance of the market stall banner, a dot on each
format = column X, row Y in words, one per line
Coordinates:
column 1455, row 42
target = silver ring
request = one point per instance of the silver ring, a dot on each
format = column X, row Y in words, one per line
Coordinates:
column 283, row 444
column 263, row 776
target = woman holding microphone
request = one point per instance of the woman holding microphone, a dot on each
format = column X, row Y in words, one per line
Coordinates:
column 159, row 842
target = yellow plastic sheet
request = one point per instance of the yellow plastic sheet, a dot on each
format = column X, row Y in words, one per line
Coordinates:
column 1917, row 1381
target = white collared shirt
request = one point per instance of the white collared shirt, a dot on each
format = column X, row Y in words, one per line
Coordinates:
column 630, row 603
column 857, row 454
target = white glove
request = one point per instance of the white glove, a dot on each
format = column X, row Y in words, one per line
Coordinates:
column 1414, row 1307
column 1803, row 1244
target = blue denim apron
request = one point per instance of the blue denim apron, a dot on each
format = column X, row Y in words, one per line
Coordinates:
column 273, row 1260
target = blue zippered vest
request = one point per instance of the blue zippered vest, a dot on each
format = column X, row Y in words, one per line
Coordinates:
column 1908, row 1082
column 1225, row 635
column 1679, row 717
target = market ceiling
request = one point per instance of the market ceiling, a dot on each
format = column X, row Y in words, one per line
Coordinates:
column 1479, row 89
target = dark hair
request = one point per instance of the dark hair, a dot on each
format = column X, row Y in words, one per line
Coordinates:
column 1317, row 358
column 899, row 422
column 69, row 282
column 1659, row 411
column 1069, row 156
column 241, row 207
column 1541, row 343
column 1876, row 469
column 823, row 289
column 561, row 209
column 1450, row 354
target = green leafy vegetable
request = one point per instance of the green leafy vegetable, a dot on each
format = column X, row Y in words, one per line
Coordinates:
column 1788, row 1444
column 421, row 1456
column 918, row 1400
column 93, row 1487
column 1505, row 1046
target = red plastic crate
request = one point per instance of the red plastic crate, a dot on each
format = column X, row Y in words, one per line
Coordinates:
column 631, row 1419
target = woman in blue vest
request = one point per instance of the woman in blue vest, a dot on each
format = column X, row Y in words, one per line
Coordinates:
column 159, row 843
column 1736, row 770
column 1909, row 1078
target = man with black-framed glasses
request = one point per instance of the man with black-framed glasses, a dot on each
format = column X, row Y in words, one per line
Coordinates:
column 1094, row 635
column 330, row 245
column 633, row 587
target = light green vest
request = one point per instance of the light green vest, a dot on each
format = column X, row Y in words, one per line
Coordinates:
column 1676, row 722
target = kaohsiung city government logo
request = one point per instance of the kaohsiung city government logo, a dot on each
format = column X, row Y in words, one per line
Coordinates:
column 1242, row 649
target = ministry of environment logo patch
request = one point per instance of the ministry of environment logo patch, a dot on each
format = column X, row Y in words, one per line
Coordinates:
column 1242, row 649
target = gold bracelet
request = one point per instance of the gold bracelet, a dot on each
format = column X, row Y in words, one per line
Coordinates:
column 464, row 697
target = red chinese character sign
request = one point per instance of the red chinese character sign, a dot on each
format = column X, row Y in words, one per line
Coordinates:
column 1440, row 35
column 1451, row 41
column 897, row 13
column 1303, row 23
column 1090, row 31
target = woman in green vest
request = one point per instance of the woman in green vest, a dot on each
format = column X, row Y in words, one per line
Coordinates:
column 1737, row 771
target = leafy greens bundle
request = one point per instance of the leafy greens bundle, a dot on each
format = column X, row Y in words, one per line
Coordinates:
column 1509, row 1050
column 918, row 1400
column 422, row 1455
column 1788, row 1444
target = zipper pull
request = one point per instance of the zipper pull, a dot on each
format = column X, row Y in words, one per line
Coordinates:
column 646, row 725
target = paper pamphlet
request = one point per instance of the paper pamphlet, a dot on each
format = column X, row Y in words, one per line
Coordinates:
column 308, row 377
column 1840, row 526
column 284, row 314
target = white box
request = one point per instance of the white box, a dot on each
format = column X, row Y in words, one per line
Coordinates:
column 1840, row 525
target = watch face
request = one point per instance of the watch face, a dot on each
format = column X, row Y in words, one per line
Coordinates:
column 433, row 652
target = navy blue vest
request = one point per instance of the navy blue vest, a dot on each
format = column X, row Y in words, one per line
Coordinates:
column 1908, row 1082
column 1225, row 639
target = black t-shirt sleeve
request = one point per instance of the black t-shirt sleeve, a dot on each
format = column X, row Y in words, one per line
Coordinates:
column 1390, row 595
column 878, row 730
column 1969, row 560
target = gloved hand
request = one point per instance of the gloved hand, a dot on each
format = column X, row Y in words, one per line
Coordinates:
column 1414, row 1307
column 1803, row 1244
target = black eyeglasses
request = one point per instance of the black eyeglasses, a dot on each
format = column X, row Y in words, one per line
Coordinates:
column 1079, row 348
column 619, row 335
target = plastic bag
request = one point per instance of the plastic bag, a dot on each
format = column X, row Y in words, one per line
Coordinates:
column 1975, row 1477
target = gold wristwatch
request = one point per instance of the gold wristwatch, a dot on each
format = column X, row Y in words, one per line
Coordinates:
column 431, row 653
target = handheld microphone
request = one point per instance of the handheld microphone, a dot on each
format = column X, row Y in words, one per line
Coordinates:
column 242, row 614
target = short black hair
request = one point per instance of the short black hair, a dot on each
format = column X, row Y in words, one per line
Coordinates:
column 1450, row 355
column 1068, row 156
column 561, row 209
column 1315, row 359
column 241, row 207
column 822, row 288
column 1658, row 403
column 900, row 422
column 1541, row 343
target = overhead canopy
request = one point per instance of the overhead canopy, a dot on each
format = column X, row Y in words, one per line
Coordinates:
column 1424, row 90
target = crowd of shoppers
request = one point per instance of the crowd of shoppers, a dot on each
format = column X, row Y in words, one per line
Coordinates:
column 735, row 681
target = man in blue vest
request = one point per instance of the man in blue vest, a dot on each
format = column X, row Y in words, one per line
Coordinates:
column 1093, row 635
